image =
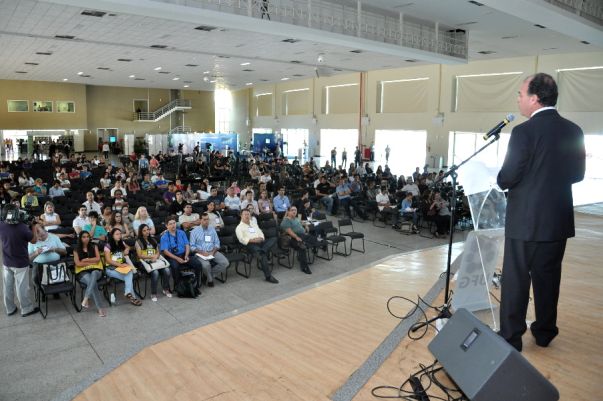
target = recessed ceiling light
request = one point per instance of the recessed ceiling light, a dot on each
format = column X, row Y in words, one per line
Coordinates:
column 206, row 28
column 285, row 79
column 157, row 68
column 206, row 72
column 158, row 46
column 44, row 53
column 175, row 78
column 357, row 51
column 132, row 76
column 191, row 65
column 212, row 82
column 85, row 76
column 80, row 73
column 138, row 79
column 93, row 13
column 186, row 86
column 290, row 40
column 21, row 72
column 248, row 70
column 65, row 79
column 205, row 79
column 164, row 72
column 486, row 52
column 246, row 63
column 410, row 60
column 477, row 3
column 127, row 60
column 103, row 68
column 249, row 83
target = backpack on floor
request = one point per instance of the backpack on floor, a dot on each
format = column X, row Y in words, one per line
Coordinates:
column 185, row 288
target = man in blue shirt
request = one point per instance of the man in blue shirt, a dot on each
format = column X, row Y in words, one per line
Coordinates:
column 205, row 244
column 143, row 165
column 281, row 203
column 175, row 247
column 408, row 213
column 343, row 195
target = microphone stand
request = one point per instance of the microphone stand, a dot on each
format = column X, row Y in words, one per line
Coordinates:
column 452, row 173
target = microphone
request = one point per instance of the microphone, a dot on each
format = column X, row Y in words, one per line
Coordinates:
column 496, row 130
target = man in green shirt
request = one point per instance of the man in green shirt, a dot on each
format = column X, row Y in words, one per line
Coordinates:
column 298, row 237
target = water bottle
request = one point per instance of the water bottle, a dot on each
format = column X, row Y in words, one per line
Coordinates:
column 112, row 298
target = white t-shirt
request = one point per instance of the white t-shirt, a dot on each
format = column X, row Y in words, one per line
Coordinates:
column 382, row 198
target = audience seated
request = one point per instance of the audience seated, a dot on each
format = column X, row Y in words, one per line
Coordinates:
column 156, row 265
column 174, row 245
column 252, row 238
column 88, row 271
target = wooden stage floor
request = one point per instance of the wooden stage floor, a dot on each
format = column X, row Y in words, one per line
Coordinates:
column 305, row 347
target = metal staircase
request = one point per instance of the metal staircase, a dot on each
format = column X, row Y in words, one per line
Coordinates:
column 174, row 105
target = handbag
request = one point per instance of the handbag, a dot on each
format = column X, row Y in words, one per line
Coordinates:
column 54, row 273
column 160, row 263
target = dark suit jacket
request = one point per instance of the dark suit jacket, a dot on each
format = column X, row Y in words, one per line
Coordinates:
column 545, row 157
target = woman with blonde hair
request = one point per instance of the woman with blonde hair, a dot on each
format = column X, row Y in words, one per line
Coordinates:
column 142, row 217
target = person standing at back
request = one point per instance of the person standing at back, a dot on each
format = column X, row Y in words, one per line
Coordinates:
column 15, row 236
column 545, row 157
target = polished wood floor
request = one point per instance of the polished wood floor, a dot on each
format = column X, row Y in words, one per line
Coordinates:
column 306, row 346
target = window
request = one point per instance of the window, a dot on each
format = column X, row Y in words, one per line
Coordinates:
column 263, row 104
column 341, row 99
column 341, row 139
column 295, row 143
column 407, row 150
column 65, row 106
column 44, row 106
column 296, row 101
column 224, row 107
column 17, row 106
column 590, row 189
column 461, row 145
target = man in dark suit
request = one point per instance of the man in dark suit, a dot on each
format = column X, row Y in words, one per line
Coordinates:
column 545, row 157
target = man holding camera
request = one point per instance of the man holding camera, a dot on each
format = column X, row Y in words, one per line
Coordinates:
column 15, row 235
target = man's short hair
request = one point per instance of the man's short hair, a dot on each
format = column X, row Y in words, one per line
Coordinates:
column 544, row 87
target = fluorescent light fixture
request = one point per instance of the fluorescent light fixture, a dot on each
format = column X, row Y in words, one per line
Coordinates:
column 580, row 68
column 405, row 80
column 340, row 86
column 186, row 86
column 157, row 68
column 285, row 79
column 132, row 76
column 490, row 75
column 249, row 83
column 65, row 79
column 297, row 90
column 206, row 72
column 263, row 94
column 246, row 63
column 212, row 82
column 175, row 78
column 80, row 73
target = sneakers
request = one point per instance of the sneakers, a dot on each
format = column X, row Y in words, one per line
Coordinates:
column 167, row 293
column 272, row 280
column 154, row 298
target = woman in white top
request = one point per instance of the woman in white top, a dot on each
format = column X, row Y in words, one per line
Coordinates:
column 142, row 217
column 105, row 182
column 50, row 220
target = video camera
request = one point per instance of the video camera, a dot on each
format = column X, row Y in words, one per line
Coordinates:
column 12, row 214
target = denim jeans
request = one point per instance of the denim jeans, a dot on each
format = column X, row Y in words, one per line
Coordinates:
column 126, row 278
column 165, row 279
column 89, row 279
